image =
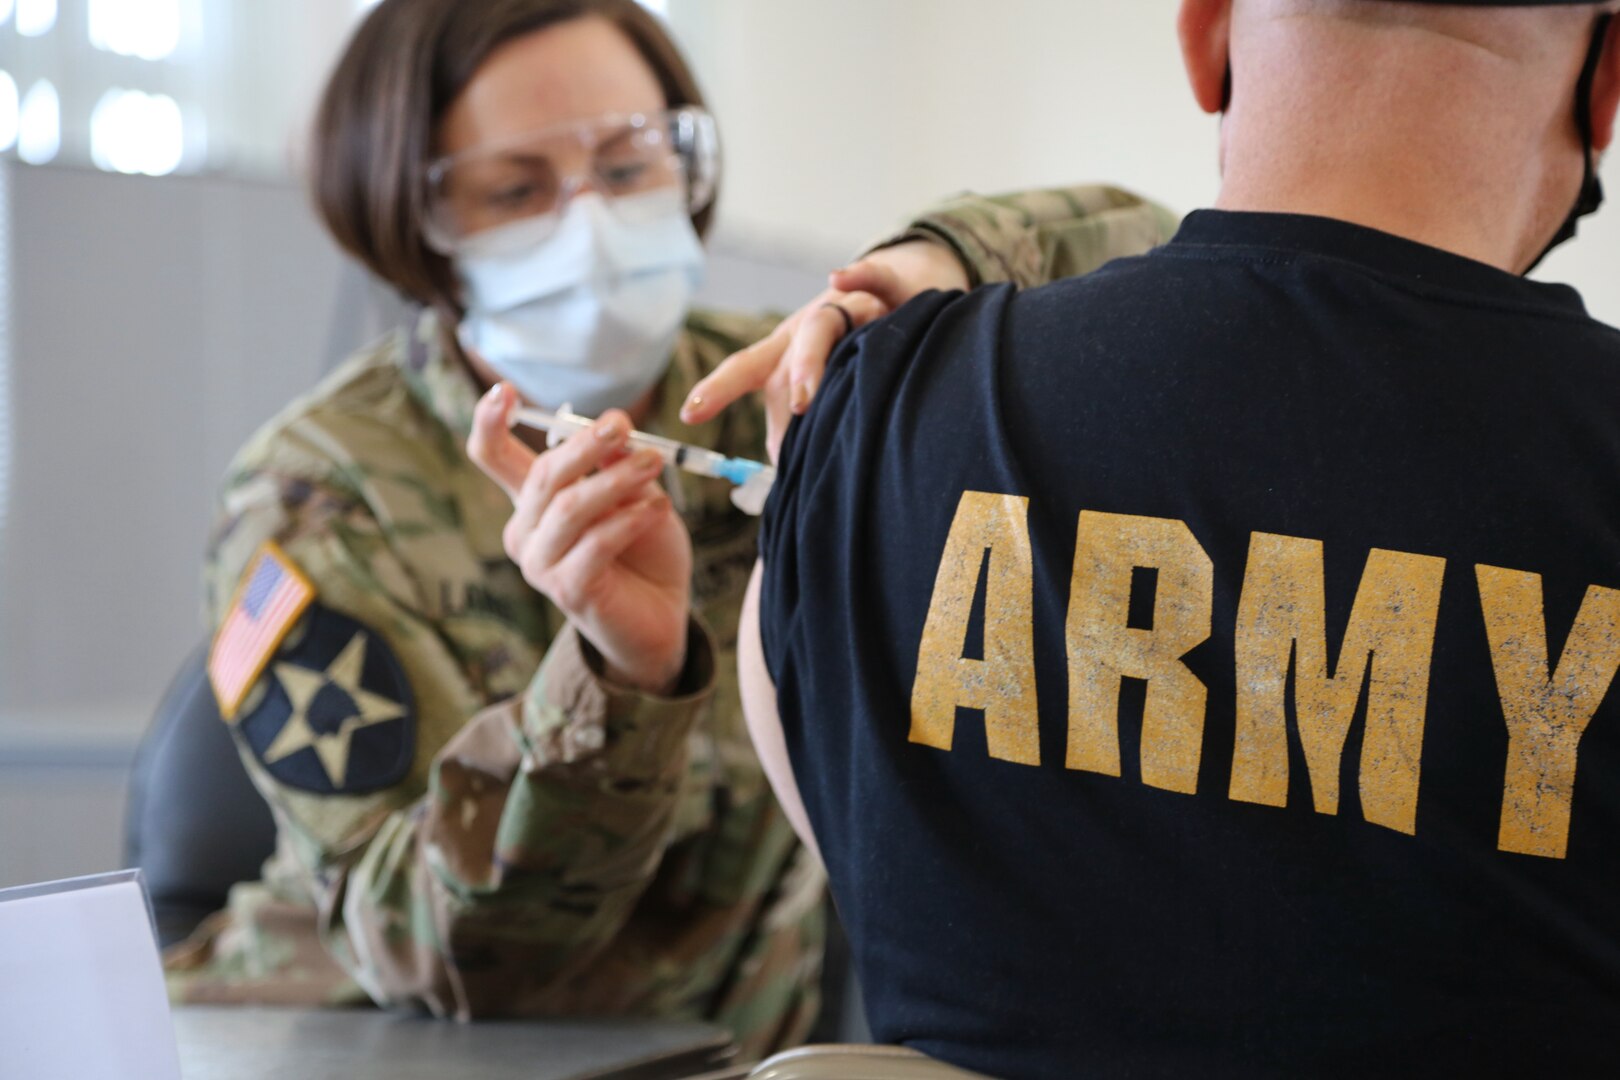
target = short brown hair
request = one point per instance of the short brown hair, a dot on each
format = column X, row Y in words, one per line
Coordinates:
column 374, row 130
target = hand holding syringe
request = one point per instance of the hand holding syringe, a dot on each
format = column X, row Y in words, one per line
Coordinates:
column 753, row 479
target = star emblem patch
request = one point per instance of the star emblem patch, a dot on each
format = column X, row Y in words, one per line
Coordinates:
column 336, row 716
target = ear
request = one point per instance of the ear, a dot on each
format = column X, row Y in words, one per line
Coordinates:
column 1205, row 30
column 1606, row 88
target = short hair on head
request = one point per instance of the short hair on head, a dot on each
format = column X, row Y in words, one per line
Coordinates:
column 374, row 129
column 1518, row 30
column 1433, row 11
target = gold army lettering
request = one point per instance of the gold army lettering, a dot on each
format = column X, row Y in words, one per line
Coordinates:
column 1388, row 645
column 1392, row 624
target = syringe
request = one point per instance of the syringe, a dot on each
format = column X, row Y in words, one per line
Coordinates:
column 753, row 479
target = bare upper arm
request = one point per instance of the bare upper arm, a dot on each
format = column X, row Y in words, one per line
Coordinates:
column 764, row 723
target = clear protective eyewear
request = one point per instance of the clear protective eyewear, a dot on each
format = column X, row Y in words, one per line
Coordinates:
column 531, row 178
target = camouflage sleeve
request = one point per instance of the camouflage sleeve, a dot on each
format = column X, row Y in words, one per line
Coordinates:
column 483, row 873
column 1034, row 237
column 545, row 820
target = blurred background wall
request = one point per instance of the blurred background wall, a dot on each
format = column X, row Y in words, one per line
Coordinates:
column 148, row 323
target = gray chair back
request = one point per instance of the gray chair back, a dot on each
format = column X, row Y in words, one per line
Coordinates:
column 194, row 823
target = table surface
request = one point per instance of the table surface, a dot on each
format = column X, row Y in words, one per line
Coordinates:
column 359, row 1044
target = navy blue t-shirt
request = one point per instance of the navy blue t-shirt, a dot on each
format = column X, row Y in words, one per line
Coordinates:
column 1203, row 667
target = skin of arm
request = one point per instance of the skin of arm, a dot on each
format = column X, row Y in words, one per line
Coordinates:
column 764, row 723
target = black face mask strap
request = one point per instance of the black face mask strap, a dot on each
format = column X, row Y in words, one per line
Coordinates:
column 1591, row 196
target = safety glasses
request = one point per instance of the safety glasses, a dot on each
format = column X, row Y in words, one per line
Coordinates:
column 530, row 178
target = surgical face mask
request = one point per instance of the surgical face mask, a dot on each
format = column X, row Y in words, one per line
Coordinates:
column 583, row 311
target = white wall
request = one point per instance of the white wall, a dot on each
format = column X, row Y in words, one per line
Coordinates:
column 153, row 324
column 840, row 117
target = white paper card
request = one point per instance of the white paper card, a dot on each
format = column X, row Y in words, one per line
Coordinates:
column 81, row 983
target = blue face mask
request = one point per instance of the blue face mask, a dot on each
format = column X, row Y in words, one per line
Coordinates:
column 583, row 311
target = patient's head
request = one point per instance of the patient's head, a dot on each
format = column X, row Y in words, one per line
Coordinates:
column 1403, row 99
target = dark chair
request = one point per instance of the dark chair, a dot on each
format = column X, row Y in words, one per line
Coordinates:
column 194, row 822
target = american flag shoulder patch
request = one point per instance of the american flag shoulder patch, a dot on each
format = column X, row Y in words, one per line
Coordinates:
column 271, row 596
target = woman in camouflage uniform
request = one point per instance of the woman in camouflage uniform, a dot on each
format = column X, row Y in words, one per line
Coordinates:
column 504, row 749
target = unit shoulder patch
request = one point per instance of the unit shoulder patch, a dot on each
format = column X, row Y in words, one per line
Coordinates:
column 336, row 716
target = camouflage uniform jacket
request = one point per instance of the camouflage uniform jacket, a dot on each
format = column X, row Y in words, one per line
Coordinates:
column 493, row 829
